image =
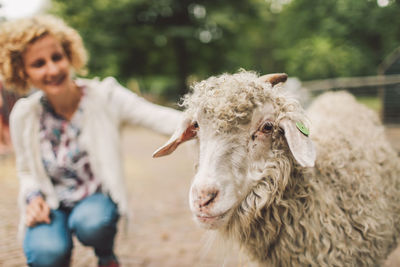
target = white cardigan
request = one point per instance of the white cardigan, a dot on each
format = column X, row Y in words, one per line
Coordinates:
column 108, row 106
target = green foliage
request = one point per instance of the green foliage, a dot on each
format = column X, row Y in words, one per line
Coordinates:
column 319, row 57
column 162, row 37
column 332, row 38
column 163, row 44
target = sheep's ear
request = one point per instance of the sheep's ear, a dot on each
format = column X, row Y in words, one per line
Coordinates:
column 274, row 78
column 301, row 146
column 186, row 131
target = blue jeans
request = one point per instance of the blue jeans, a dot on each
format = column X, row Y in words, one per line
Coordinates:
column 94, row 222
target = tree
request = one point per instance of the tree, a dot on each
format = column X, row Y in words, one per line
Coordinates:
column 165, row 43
column 167, row 38
column 331, row 38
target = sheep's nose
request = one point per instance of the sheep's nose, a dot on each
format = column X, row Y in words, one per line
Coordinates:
column 207, row 197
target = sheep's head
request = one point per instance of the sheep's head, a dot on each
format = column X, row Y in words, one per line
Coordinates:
column 247, row 136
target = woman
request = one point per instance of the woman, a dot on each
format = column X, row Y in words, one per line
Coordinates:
column 66, row 140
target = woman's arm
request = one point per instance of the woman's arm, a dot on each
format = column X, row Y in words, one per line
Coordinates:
column 136, row 110
column 36, row 210
column 17, row 124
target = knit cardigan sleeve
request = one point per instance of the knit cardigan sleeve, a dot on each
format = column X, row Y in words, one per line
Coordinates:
column 136, row 110
column 18, row 117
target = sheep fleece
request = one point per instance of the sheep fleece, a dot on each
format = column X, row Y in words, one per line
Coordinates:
column 344, row 211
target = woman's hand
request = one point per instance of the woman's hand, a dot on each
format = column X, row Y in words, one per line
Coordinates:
column 37, row 212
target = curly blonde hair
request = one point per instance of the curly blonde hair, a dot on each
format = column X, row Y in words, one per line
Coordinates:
column 16, row 35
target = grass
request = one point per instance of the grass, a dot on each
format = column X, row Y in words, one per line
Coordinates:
column 371, row 102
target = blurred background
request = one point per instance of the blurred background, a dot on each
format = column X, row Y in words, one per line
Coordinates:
column 161, row 46
column 157, row 48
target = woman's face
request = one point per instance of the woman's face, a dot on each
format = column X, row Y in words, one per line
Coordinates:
column 47, row 66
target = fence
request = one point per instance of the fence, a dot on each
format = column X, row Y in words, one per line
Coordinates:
column 382, row 92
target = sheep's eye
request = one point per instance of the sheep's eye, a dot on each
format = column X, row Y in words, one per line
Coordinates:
column 266, row 128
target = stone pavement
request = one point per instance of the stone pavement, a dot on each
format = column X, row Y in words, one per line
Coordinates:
column 161, row 232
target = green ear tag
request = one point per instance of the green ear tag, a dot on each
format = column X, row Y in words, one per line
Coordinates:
column 302, row 128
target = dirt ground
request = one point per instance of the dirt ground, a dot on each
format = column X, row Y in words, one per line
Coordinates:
column 161, row 231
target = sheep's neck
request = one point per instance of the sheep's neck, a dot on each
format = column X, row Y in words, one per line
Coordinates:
column 259, row 232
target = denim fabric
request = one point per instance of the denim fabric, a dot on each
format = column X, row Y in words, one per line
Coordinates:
column 93, row 221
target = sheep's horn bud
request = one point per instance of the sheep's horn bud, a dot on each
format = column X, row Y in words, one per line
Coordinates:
column 274, row 78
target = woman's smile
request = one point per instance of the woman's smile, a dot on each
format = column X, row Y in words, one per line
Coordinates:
column 47, row 66
column 57, row 80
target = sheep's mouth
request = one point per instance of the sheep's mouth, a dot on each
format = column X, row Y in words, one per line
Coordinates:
column 212, row 222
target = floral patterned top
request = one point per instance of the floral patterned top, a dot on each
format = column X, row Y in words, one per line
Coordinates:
column 65, row 160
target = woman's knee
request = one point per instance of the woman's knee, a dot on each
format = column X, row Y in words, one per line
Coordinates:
column 48, row 252
column 92, row 231
column 94, row 219
column 49, row 244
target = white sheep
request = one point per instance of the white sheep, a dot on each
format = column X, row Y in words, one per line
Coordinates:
column 330, row 197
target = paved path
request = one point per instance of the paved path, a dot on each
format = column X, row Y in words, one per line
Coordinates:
column 161, row 232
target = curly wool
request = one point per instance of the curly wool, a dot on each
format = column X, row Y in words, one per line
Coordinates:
column 230, row 99
column 343, row 212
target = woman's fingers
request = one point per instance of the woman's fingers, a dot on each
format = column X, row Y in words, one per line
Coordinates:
column 29, row 221
column 32, row 212
column 37, row 211
column 45, row 212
